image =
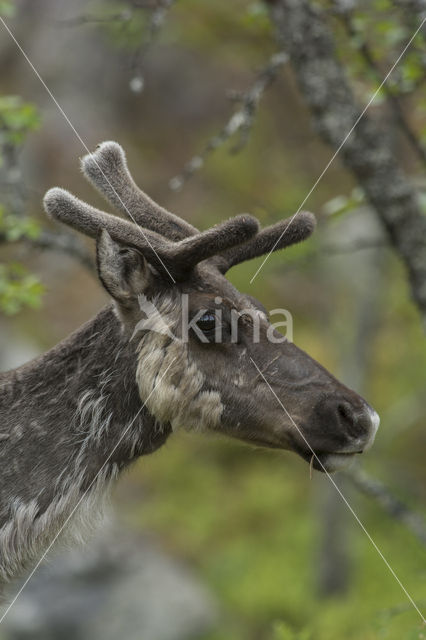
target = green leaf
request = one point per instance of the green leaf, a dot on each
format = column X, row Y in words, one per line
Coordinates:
column 342, row 204
column 18, row 289
column 17, row 119
column 15, row 228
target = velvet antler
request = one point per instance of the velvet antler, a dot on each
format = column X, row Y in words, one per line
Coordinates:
column 169, row 243
column 277, row 236
column 176, row 259
column 107, row 170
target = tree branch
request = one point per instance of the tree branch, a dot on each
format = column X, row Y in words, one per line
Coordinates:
column 125, row 15
column 64, row 243
column 416, row 7
column 361, row 244
column 303, row 31
column 156, row 21
column 14, row 197
column 157, row 10
column 375, row 489
column 240, row 122
column 89, row 19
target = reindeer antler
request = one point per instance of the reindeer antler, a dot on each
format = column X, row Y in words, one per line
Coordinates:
column 177, row 259
column 169, row 243
column 277, row 236
column 107, row 170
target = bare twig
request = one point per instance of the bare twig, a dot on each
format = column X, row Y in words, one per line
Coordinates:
column 158, row 10
column 121, row 16
column 158, row 16
column 94, row 19
column 395, row 508
column 64, row 243
column 361, row 244
column 240, row 122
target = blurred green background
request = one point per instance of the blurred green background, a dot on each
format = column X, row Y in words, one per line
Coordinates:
column 252, row 524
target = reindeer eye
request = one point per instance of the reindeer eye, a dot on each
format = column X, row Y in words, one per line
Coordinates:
column 207, row 322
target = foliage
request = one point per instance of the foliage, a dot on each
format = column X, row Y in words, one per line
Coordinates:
column 15, row 228
column 17, row 119
column 380, row 31
column 18, row 288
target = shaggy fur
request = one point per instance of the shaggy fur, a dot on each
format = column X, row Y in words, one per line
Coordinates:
column 181, row 398
column 63, row 414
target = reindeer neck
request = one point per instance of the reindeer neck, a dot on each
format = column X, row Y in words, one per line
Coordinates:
column 70, row 420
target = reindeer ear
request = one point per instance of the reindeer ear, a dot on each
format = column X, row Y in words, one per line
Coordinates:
column 122, row 270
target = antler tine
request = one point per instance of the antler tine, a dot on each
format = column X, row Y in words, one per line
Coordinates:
column 177, row 259
column 63, row 206
column 107, row 170
column 221, row 237
column 277, row 236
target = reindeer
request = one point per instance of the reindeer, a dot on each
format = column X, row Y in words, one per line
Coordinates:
column 74, row 418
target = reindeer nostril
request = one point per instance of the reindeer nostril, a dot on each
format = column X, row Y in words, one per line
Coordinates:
column 360, row 422
column 346, row 412
column 355, row 422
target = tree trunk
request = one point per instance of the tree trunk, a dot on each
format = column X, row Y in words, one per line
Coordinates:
column 305, row 35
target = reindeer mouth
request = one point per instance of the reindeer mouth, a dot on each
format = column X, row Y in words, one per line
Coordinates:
column 324, row 461
column 331, row 462
column 327, row 461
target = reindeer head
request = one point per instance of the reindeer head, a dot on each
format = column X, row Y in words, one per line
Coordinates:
column 207, row 355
